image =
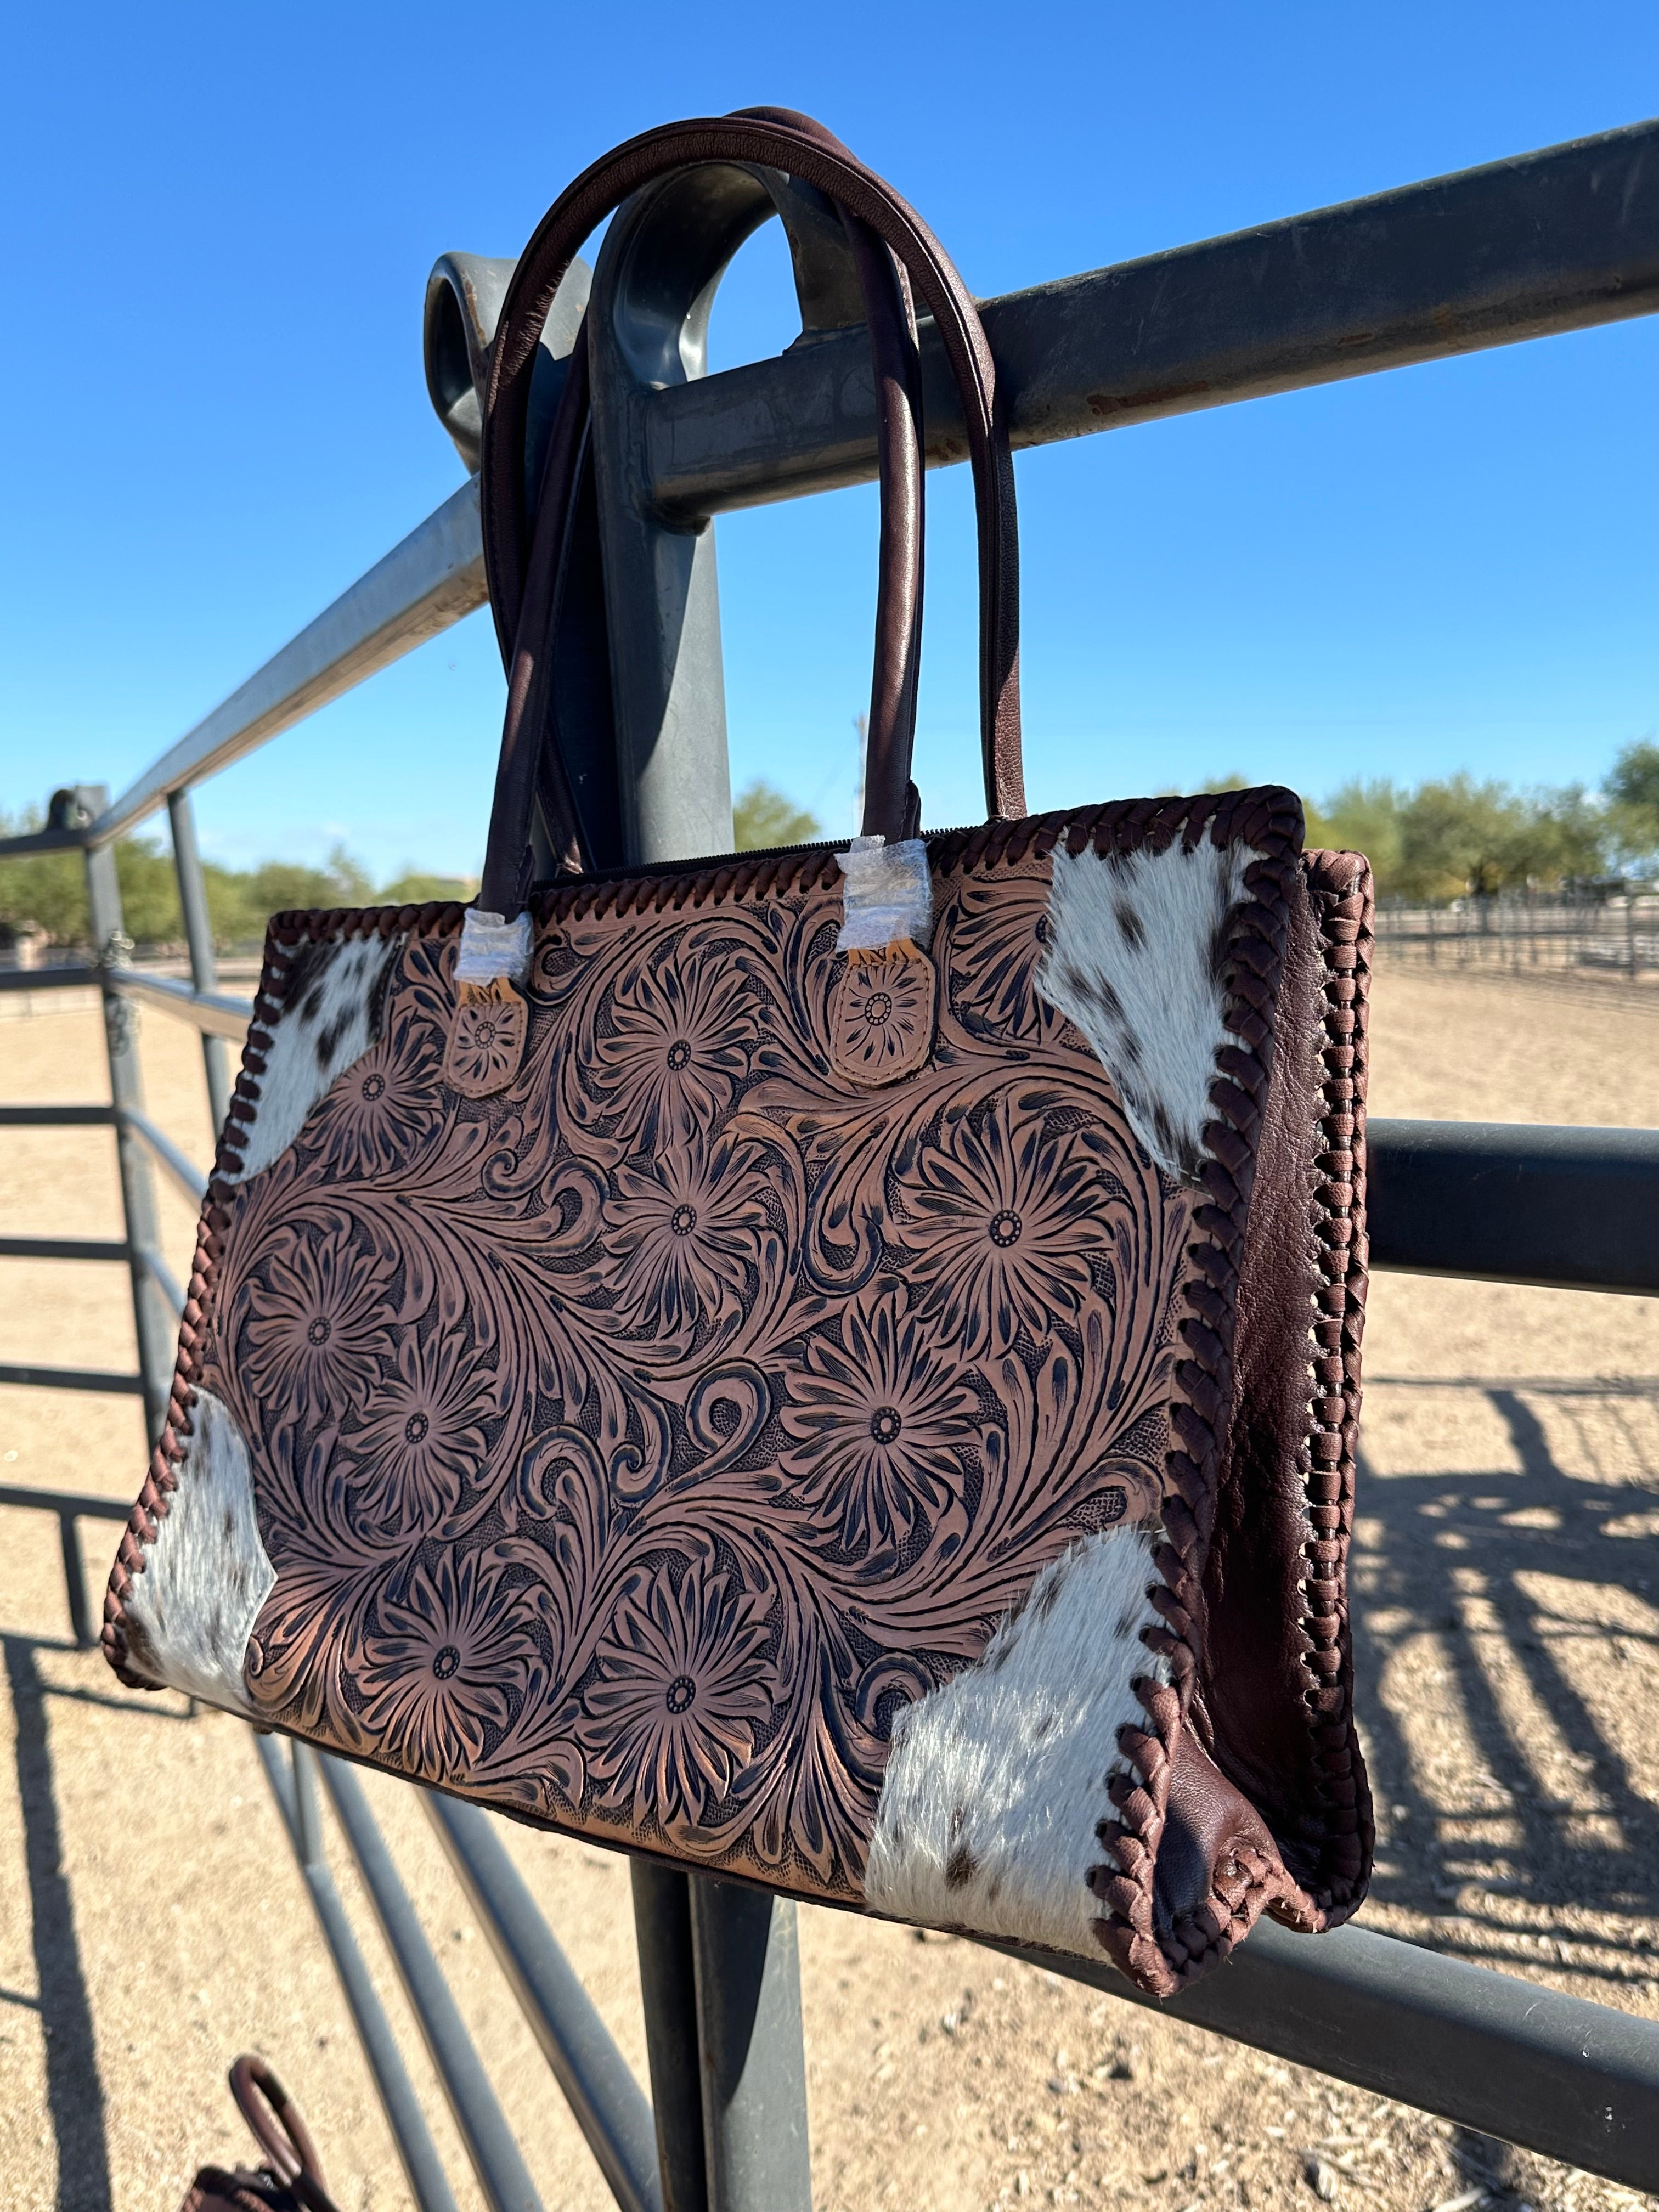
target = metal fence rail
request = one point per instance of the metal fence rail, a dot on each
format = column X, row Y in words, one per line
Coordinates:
column 1610, row 936
column 1553, row 241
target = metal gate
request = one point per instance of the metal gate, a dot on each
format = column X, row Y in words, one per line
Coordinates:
column 1552, row 242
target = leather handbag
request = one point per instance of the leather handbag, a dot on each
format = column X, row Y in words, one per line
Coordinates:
column 838, row 1368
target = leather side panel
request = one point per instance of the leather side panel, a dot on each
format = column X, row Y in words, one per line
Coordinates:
column 1274, row 1705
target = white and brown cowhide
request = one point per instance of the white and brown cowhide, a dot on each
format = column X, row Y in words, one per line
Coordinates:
column 997, row 1784
column 189, row 1614
column 333, row 1003
column 1136, row 960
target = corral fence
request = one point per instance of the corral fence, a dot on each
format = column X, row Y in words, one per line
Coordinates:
column 1552, row 242
column 1613, row 934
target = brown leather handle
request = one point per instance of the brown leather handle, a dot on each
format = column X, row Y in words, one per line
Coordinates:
column 520, row 572
column 531, row 762
column 892, row 805
column 274, row 2121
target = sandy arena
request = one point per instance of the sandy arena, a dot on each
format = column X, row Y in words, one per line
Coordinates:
column 1506, row 1601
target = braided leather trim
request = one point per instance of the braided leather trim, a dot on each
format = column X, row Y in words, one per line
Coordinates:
column 1199, row 1416
column 286, row 933
column 1340, row 886
column 1163, row 1960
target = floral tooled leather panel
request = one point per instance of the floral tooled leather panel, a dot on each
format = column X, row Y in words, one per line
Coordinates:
column 632, row 1443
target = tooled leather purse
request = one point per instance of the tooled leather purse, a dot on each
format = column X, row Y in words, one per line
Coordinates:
column 837, row 1368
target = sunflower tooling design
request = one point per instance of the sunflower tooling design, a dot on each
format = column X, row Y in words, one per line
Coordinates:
column 635, row 1444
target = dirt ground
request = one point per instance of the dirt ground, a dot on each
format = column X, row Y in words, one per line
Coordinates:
column 152, row 1924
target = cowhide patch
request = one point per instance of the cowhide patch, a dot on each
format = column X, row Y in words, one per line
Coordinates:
column 332, row 1007
column 996, row 1784
column 1137, row 961
column 189, row 1614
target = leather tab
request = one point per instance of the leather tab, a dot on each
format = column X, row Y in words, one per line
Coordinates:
column 881, row 1015
column 486, row 1038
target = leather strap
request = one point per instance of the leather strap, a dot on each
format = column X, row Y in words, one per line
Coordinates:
column 892, row 804
column 526, row 729
column 530, row 762
column 275, row 2123
column 524, row 587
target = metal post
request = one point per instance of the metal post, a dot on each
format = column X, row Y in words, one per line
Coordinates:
column 600, row 2090
column 198, row 935
column 295, row 1791
column 654, row 287
column 153, row 1322
column 668, row 1991
column 754, row 2105
column 503, row 2177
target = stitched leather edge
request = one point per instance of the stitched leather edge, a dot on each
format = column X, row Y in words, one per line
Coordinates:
column 1340, row 886
column 283, row 937
column 1269, row 822
column 1161, row 1962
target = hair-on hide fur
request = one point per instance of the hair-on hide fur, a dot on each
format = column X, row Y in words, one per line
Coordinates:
column 333, row 1005
column 996, row 1784
column 1136, row 959
column 189, row 1615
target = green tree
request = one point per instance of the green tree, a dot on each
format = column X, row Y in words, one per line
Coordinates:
column 763, row 817
column 47, row 889
column 240, row 905
column 413, row 889
column 149, row 892
column 1633, row 793
column 1361, row 817
column 1452, row 836
column 50, row 889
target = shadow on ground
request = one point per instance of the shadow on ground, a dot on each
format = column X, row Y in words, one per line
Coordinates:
column 75, row 2095
column 1507, row 1647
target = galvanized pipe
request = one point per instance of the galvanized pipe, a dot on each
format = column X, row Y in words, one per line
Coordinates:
column 749, row 2029
column 217, row 1013
column 417, row 2153
column 668, row 1995
column 160, row 1275
column 1561, row 240
column 166, row 1154
column 198, row 934
column 153, row 1325
column 495, row 2158
column 607, row 2102
column 1507, row 1202
column 1554, row 2073
column 422, row 585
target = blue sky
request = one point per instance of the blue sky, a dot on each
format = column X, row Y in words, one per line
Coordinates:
column 221, row 222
